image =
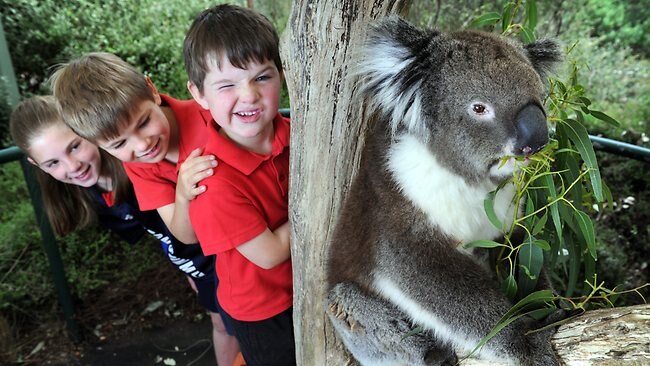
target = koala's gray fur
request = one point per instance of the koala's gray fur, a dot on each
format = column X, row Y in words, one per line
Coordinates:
column 448, row 107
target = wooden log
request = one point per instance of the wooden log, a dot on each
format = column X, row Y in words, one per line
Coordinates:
column 606, row 337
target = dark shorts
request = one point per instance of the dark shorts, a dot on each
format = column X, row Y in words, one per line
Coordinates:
column 207, row 295
column 266, row 342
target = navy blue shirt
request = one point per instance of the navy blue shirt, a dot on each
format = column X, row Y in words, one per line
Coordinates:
column 128, row 222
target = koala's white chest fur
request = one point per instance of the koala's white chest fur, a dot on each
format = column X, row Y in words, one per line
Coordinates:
column 451, row 204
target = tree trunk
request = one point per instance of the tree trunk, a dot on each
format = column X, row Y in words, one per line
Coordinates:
column 327, row 132
column 325, row 149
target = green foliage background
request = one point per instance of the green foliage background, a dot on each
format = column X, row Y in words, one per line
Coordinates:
column 146, row 33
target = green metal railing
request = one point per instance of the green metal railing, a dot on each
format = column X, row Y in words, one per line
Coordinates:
column 48, row 240
column 620, row 148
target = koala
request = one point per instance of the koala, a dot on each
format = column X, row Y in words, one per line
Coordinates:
column 449, row 109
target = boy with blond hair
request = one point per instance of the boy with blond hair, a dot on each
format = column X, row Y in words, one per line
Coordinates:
column 108, row 102
column 232, row 59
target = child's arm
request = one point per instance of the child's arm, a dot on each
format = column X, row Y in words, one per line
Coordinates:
column 176, row 215
column 270, row 248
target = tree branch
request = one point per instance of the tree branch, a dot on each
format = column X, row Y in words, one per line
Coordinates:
column 617, row 336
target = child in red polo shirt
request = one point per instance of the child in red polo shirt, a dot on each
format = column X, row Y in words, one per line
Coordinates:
column 232, row 58
column 107, row 101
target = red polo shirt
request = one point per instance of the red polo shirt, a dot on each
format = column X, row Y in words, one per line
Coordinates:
column 246, row 194
column 155, row 183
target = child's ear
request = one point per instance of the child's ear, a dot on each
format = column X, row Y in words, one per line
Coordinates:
column 197, row 95
column 31, row 161
column 154, row 91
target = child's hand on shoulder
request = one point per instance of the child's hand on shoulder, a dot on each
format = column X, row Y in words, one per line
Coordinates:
column 193, row 170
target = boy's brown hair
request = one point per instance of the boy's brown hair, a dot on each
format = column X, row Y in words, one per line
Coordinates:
column 97, row 93
column 241, row 35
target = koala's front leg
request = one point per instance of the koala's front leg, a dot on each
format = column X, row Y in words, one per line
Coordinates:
column 377, row 333
column 451, row 294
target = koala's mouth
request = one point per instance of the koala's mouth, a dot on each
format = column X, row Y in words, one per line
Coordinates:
column 505, row 166
column 511, row 159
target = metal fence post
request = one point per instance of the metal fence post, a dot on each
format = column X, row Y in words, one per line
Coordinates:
column 48, row 239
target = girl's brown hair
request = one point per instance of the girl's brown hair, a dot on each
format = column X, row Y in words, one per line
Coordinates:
column 68, row 207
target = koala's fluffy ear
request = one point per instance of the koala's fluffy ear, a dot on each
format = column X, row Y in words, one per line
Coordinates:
column 544, row 54
column 392, row 72
column 398, row 32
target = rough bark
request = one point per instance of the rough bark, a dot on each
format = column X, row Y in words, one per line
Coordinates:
column 325, row 130
column 608, row 337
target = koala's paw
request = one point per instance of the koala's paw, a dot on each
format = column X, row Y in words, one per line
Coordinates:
column 338, row 313
column 543, row 359
column 542, row 352
column 441, row 357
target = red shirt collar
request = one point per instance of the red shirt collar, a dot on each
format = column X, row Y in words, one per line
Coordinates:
column 244, row 160
column 177, row 104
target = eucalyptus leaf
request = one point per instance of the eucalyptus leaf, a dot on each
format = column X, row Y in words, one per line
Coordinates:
column 584, row 100
column 534, row 299
column 587, row 229
column 608, row 195
column 538, row 297
column 506, row 18
column 574, row 265
column 571, row 174
column 509, row 287
column 542, row 313
column 527, row 35
column 497, row 328
column 580, row 138
column 542, row 244
column 488, row 206
column 485, row 19
column 531, row 257
column 568, row 217
column 605, row 118
column 541, row 223
column 414, row 331
column 560, row 85
column 483, row 244
column 531, row 14
column 565, row 150
column 530, row 206
column 555, row 213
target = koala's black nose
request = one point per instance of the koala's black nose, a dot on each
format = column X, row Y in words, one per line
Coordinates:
column 532, row 131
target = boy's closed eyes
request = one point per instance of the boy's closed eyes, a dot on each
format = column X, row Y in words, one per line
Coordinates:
column 266, row 74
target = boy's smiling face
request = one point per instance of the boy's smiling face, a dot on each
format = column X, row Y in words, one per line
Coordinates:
column 145, row 137
column 243, row 102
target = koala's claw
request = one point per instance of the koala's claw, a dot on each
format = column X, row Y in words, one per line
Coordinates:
column 339, row 313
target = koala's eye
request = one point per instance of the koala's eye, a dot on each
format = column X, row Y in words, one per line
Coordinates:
column 480, row 111
column 479, row 108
